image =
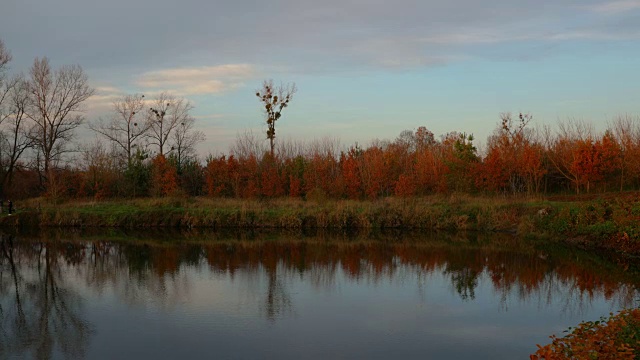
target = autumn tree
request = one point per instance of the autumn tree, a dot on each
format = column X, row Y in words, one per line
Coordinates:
column 373, row 171
column 593, row 160
column 275, row 100
column 567, row 150
column 429, row 167
column 217, row 176
column 271, row 183
column 56, row 106
column 126, row 125
column 461, row 158
column 166, row 114
column 513, row 162
column 349, row 164
column 247, row 174
column 294, row 169
column 321, row 169
column 164, row 178
column 100, row 170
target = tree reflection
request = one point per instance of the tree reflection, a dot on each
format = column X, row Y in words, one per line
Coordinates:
column 277, row 301
column 465, row 281
column 40, row 312
column 39, row 315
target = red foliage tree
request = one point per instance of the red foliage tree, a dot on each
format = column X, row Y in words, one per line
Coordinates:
column 351, row 172
column 405, row 186
column 271, row 184
column 164, row 177
column 217, row 176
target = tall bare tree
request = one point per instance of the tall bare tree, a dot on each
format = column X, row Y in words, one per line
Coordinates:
column 15, row 136
column 626, row 129
column 184, row 141
column 247, row 144
column 275, row 99
column 164, row 116
column 126, row 126
column 56, row 107
column 5, row 57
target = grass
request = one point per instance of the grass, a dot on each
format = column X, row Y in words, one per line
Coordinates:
column 608, row 222
column 445, row 213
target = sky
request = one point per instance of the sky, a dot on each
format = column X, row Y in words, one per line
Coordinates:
column 364, row 69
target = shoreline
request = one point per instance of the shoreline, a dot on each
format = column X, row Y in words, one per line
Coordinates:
column 610, row 223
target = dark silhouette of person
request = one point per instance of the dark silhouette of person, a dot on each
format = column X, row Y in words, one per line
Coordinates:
column 10, row 207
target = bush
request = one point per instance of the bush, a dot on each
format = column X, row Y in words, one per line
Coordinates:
column 615, row 338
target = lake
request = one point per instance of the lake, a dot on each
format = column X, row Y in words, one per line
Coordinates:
column 248, row 295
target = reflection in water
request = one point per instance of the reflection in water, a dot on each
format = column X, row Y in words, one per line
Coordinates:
column 39, row 314
column 41, row 304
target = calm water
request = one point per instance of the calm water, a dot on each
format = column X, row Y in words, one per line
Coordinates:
column 287, row 296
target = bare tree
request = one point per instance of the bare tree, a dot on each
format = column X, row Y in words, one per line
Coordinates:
column 290, row 148
column 275, row 99
column 166, row 114
column 56, row 106
column 184, row 140
column 560, row 147
column 5, row 57
column 126, row 126
column 247, row 144
column 15, row 136
column 627, row 132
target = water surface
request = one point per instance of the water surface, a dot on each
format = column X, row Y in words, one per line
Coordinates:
column 291, row 296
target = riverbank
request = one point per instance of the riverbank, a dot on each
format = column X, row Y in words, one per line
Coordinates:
column 606, row 222
column 610, row 222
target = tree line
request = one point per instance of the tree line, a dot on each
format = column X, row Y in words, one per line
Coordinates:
column 147, row 147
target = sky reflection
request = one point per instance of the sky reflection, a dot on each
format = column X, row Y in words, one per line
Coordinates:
column 302, row 298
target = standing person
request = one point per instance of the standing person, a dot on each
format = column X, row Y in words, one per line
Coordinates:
column 10, row 207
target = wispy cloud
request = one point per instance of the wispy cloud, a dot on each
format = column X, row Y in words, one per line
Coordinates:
column 593, row 35
column 615, row 7
column 102, row 101
column 472, row 37
column 198, row 80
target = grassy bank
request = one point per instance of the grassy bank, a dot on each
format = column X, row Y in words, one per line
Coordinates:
column 442, row 213
column 606, row 222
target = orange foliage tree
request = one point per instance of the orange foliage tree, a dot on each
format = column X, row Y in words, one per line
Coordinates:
column 513, row 162
column 351, row 172
column 217, row 176
column 271, row 184
column 164, row 177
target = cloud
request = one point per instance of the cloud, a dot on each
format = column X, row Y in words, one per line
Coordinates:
column 198, row 80
column 102, row 101
column 471, row 37
column 596, row 35
column 616, row 7
column 303, row 35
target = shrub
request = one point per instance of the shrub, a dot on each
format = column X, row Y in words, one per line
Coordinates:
column 613, row 338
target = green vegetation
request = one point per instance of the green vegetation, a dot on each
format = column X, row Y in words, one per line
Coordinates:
column 606, row 222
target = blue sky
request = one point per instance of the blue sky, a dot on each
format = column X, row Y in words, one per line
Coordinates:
column 364, row 69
